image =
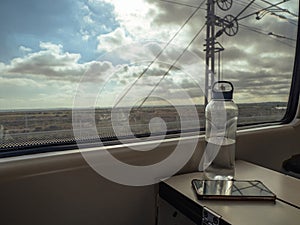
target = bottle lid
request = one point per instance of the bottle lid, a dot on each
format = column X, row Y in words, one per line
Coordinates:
column 222, row 90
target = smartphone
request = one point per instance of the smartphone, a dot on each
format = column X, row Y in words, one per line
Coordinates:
column 232, row 190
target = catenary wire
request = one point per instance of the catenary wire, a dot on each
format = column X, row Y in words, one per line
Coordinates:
column 179, row 3
column 199, row 7
column 259, row 31
column 159, row 54
column 172, row 66
column 278, row 7
column 242, row 3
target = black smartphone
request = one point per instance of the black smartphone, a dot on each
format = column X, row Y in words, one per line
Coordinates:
column 232, row 190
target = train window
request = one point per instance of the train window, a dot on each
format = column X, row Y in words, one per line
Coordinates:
column 80, row 70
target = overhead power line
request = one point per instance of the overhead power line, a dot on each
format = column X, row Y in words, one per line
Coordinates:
column 159, row 54
column 269, row 34
column 281, row 36
column 264, row 10
column 172, row 66
column 254, row 6
column 254, row 29
column 247, row 5
column 258, row 5
column 179, row 3
column 278, row 7
column 244, row 3
column 293, row 22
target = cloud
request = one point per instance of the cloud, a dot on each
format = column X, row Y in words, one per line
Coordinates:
column 172, row 14
column 115, row 39
column 95, row 17
column 97, row 72
column 259, row 65
column 249, row 58
column 50, row 62
column 30, row 94
column 25, row 49
column 259, row 85
column 138, row 19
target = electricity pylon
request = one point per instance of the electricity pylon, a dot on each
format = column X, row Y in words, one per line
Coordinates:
column 228, row 25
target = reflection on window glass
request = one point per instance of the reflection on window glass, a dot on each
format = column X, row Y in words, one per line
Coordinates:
column 130, row 68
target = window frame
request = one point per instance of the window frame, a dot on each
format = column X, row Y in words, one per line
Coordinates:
column 288, row 118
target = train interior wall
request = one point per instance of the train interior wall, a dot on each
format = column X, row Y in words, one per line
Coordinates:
column 62, row 189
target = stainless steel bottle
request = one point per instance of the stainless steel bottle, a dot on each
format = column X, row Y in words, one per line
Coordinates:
column 221, row 123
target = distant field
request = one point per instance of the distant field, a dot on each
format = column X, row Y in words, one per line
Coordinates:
column 51, row 126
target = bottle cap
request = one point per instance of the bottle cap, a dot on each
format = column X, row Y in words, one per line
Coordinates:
column 222, row 90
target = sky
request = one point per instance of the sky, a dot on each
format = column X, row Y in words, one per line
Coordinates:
column 69, row 53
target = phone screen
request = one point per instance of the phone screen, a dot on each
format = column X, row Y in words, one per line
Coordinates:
column 235, row 190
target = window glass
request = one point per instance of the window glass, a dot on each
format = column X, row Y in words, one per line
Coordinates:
column 116, row 69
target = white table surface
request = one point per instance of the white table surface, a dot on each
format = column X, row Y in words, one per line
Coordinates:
column 246, row 212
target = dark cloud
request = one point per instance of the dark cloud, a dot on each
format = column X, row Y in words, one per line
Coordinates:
column 170, row 13
column 260, row 84
column 257, row 63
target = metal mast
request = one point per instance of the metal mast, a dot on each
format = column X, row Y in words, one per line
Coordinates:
column 228, row 25
column 211, row 46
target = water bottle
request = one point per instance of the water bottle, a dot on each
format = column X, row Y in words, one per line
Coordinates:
column 221, row 123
